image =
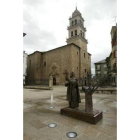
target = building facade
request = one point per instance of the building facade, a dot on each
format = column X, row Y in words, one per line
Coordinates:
column 101, row 68
column 72, row 57
column 25, row 56
column 114, row 46
column 112, row 59
column 24, row 64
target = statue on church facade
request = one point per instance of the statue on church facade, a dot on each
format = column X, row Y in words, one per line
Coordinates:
column 73, row 95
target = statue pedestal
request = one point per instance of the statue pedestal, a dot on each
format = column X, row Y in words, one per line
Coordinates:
column 80, row 114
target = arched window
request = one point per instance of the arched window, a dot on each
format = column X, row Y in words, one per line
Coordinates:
column 71, row 33
column 83, row 34
column 75, row 32
column 44, row 64
column 75, row 21
column 72, row 22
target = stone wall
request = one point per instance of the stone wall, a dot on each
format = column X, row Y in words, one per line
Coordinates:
column 69, row 57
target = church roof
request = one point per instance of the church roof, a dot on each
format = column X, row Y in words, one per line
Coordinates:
column 56, row 48
column 62, row 47
column 76, row 12
column 59, row 48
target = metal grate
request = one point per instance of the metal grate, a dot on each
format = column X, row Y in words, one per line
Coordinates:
column 51, row 107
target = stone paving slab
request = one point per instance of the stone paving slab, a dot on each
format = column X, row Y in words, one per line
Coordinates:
column 37, row 115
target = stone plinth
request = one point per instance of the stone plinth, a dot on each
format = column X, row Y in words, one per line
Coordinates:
column 80, row 114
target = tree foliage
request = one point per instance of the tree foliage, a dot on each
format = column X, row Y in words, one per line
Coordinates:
column 94, row 83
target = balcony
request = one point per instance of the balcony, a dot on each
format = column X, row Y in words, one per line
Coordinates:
column 75, row 25
column 77, row 36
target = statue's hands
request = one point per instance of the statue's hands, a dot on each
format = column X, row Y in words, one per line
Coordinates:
column 66, row 84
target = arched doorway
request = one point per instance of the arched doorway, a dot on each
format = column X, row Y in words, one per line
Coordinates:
column 54, row 81
column 54, row 70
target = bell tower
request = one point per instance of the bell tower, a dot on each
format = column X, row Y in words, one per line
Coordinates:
column 77, row 31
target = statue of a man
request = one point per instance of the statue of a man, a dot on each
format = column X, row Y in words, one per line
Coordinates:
column 73, row 95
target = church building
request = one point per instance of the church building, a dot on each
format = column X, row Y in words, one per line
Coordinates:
column 72, row 57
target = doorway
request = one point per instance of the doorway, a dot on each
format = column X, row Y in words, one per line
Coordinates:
column 54, row 81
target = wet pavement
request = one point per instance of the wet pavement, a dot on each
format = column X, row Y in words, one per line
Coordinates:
column 42, row 107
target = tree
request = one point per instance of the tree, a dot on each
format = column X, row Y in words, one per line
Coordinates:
column 94, row 84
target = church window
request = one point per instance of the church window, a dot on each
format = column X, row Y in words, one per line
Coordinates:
column 44, row 64
column 72, row 22
column 77, row 68
column 84, row 55
column 85, row 70
column 75, row 32
column 71, row 33
column 77, row 53
column 75, row 21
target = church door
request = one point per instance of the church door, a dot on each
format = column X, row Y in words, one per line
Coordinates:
column 54, row 81
column 85, row 81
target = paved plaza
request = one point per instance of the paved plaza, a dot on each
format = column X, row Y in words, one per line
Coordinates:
column 38, row 114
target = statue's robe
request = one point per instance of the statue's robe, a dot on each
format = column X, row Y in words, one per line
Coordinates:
column 73, row 95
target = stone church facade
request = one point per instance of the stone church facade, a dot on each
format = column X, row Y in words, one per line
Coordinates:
column 72, row 57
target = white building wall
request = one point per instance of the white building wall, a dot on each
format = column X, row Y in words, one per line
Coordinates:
column 25, row 56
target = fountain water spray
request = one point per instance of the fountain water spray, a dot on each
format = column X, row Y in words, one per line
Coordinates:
column 51, row 101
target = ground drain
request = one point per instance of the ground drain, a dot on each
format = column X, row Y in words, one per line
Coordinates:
column 71, row 134
column 51, row 107
column 52, row 125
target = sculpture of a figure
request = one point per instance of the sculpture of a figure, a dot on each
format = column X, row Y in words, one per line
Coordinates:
column 73, row 95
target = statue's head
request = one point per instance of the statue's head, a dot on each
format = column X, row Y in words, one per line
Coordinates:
column 72, row 75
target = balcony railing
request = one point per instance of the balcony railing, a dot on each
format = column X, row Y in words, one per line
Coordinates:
column 78, row 24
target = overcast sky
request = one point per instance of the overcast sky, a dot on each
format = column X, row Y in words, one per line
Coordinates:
column 46, row 21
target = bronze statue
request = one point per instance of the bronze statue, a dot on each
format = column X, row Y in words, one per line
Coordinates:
column 73, row 95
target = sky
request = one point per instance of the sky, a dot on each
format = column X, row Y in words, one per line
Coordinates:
column 45, row 23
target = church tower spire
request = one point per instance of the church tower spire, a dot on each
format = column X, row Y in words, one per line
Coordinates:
column 76, row 30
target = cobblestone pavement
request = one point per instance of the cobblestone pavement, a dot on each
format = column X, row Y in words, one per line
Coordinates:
column 38, row 114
